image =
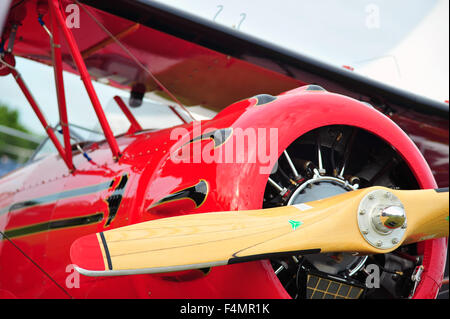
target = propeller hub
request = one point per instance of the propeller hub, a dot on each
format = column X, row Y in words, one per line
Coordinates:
column 382, row 219
column 385, row 220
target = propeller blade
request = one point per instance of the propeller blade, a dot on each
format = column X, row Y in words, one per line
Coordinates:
column 427, row 212
column 368, row 221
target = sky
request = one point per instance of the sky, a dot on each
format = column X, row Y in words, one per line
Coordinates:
column 404, row 43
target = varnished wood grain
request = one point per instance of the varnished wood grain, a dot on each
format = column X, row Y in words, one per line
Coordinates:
column 216, row 238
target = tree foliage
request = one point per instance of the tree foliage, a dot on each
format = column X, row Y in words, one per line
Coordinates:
column 10, row 118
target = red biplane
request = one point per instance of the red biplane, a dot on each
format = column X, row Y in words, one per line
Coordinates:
column 202, row 209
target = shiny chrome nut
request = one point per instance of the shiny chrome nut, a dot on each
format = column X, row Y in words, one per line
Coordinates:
column 382, row 219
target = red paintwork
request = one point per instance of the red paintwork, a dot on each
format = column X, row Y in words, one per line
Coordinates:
column 84, row 74
column 87, row 249
column 196, row 75
column 8, row 58
column 152, row 176
column 432, row 140
column 26, row 92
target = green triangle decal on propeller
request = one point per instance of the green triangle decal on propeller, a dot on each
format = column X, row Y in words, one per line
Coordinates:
column 295, row 224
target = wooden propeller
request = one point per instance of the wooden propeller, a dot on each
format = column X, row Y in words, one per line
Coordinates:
column 367, row 221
